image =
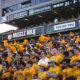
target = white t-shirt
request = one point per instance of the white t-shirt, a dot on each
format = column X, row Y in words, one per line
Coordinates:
column 45, row 61
column 55, row 20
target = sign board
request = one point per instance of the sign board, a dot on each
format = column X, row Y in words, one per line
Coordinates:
column 39, row 10
column 65, row 3
column 67, row 25
column 10, row 36
column 18, row 15
column 31, row 32
column 31, row 12
column 64, row 26
column 21, row 34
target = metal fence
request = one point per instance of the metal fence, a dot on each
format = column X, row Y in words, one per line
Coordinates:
column 50, row 28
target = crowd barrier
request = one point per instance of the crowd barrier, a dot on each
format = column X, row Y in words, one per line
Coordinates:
column 38, row 30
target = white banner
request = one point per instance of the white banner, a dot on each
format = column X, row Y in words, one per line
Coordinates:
column 31, row 32
column 22, row 34
column 64, row 26
column 19, row 34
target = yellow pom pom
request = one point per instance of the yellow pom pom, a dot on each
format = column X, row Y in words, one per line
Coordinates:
column 17, row 46
column 25, row 42
column 48, row 38
column 10, row 68
column 42, row 38
column 0, row 45
column 50, row 44
column 35, row 48
column 9, row 58
column 39, row 44
column 63, row 42
column 15, row 43
column 21, row 48
column 77, row 39
column 71, row 34
column 11, row 43
column 12, row 48
column 68, row 49
column 5, row 43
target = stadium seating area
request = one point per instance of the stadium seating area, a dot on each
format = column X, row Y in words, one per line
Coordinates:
column 51, row 57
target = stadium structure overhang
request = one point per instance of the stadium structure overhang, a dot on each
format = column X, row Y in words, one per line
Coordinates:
column 38, row 15
column 43, row 14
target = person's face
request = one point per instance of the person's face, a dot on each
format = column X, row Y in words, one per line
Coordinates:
column 70, row 54
column 42, row 68
column 43, row 55
column 17, row 57
column 29, row 65
column 33, row 53
column 77, row 44
column 64, row 64
column 49, row 64
column 21, row 67
column 35, row 60
column 25, row 58
column 52, row 51
column 52, row 64
column 55, row 51
column 78, row 64
column 60, row 50
column 76, row 51
column 14, row 69
column 5, row 68
column 39, row 50
column 24, row 52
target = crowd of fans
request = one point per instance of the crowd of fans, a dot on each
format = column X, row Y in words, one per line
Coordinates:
column 55, row 57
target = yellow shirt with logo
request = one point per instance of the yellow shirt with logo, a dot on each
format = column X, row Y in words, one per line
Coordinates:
column 67, row 73
column 75, row 58
column 58, row 58
column 34, row 68
column 77, row 73
column 19, row 75
column 42, row 75
column 28, row 73
column 6, row 75
column 57, row 70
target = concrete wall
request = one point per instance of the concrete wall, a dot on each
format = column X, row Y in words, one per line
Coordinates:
column 0, row 12
column 7, row 3
column 35, row 6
